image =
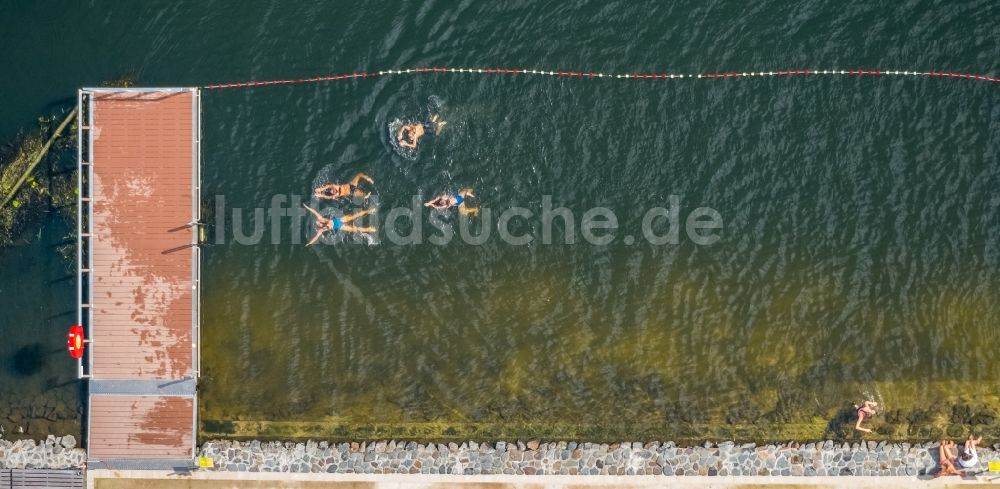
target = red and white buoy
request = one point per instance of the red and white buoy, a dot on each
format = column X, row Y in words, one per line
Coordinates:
column 75, row 341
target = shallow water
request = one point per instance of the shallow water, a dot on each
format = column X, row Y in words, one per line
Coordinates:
column 858, row 257
column 39, row 393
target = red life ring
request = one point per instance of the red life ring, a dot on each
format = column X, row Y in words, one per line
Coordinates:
column 75, row 342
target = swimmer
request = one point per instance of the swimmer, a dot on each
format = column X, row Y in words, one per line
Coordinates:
column 333, row 191
column 865, row 411
column 409, row 134
column 438, row 124
column 447, row 201
column 337, row 224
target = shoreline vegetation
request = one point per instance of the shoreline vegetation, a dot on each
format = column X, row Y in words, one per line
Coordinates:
column 30, row 155
column 904, row 417
column 26, row 194
column 896, row 426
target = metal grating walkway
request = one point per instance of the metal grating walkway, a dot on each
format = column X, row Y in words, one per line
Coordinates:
column 42, row 478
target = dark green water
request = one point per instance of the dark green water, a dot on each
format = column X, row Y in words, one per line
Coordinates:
column 859, row 255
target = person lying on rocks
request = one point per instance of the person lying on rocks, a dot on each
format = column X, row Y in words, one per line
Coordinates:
column 970, row 458
column 946, row 459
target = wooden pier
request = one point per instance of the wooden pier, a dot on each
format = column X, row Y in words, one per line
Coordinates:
column 138, row 279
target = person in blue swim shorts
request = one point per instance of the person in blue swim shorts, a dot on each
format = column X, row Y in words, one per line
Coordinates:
column 447, row 201
column 337, row 224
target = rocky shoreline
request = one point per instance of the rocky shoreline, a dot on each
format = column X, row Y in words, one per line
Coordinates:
column 570, row 458
column 52, row 453
column 532, row 458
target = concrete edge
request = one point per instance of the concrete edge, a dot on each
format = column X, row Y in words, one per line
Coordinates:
column 554, row 481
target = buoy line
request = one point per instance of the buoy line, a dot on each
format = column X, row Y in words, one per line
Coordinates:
column 613, row 76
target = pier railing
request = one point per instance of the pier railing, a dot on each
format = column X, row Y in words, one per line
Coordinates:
column 196, row 224
column 84, row 228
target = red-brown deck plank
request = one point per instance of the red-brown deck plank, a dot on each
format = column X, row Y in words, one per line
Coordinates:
column 134, row 427
column 143, row 164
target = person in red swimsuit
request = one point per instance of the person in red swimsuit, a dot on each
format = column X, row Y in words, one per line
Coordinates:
column 865, row 411
column 333, row 191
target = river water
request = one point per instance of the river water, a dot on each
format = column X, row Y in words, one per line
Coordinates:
column 858, row 254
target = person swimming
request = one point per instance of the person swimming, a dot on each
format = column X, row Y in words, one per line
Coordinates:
column 864, row 411
column 333, row 191
column 409, row 135
column 438, row 124
column 447, row 201
column 337, row 224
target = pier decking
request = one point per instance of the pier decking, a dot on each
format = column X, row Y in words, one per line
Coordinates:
column 139, row 271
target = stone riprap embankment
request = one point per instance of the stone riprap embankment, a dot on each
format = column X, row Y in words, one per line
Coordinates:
column 53, row 453
column 726, row 459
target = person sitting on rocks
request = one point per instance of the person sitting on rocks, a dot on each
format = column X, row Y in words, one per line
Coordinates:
column 970, row 458
column 865, row 411
column 946, row 459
